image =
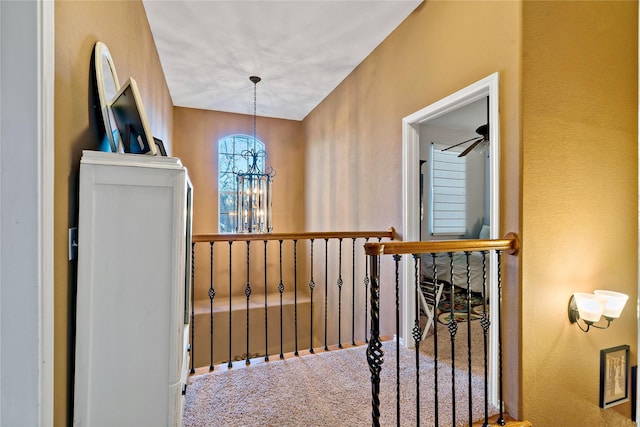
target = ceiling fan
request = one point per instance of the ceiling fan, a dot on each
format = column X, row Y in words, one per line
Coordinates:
column 483, row 131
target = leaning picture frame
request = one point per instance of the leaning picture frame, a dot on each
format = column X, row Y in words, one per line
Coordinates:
column 159, row 147
column 131, row 120
column 614, row 376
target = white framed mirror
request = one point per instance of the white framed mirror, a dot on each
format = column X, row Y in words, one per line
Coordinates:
column 107, row 84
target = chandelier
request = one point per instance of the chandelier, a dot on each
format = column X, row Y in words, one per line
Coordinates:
column 254, row 210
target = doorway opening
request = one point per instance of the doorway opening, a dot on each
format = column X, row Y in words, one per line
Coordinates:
column 483, row 90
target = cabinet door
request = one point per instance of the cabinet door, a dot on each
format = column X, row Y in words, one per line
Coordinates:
column 130, row 299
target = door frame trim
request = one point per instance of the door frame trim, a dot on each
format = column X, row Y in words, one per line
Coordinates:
column 27, row 213
column 411, row 197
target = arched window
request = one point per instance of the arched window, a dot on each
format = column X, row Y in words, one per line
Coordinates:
column 230, row 161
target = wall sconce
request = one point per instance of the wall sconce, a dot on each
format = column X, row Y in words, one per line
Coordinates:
column 591, row 307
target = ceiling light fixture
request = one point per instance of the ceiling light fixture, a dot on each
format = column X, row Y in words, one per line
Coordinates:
column 254, row 207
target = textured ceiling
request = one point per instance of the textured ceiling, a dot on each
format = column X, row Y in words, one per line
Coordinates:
column 302, row 49
column 467, row 117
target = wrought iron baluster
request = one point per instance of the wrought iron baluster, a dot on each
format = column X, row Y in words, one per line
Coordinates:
column 340, row 293
column 212, row 294
column 193, row 313
column 417, row 334
column 353, row 291
column 247, row 293
column 266, row 307
column 375, row 354
column 312, row 285
column 436, row 301
column 247, row 350
column 295, row 294
column 366, row 293
column 500, row 420
column 468, row 295
column 326, row 289
column 453, row 329
column 485, row 323
column 229, row 363
column 281, row 291
column 397, row 259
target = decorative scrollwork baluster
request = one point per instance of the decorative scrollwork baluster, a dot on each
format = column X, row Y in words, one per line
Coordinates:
column 266, row 307
column 230, row 362
column 500, row 420
column 453, row 329
column 312, row 285
column 375, row 354
column 469, row 375
column 353, row 291
column 281, row 291
column 295, row 294
column 416, row 333
column 326, row 290
column 212, row 294
column 436, row 301
column 247, row 293
column 485, row 323
column 193, row 313
column 339, row 283
column 366, row 293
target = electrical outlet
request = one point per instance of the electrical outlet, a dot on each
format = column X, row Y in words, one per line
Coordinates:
column 73, row 243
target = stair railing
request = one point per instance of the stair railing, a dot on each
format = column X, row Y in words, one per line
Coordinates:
column 432, row 249
column 283, row 271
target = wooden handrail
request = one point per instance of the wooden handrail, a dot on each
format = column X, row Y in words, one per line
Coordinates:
column 509, row 243
column 233, row 237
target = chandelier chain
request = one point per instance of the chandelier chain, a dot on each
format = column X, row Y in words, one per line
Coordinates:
column 255, row 80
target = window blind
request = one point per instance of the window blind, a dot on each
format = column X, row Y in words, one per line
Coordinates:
column 448, row 193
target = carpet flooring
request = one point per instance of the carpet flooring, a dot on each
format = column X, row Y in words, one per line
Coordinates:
column 332, row 388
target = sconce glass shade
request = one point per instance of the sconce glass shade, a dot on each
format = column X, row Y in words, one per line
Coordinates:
column 614, row 305
column 590, row 306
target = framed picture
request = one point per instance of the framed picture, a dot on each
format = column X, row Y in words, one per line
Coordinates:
column 634, row 393
column 159, row 147
column 614, row 376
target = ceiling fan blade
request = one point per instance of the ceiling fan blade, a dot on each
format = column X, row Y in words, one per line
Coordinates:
column 471, row 147
column 460, row 143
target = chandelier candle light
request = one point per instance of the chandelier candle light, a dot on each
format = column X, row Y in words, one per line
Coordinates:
column 254, row 210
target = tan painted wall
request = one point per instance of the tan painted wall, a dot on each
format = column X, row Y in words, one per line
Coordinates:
column 573, row 104
column 579, row 95
column 196, row 134
column 123, row 27
column 353, row 139
column 579, row 198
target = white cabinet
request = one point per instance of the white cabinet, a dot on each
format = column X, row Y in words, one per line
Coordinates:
column 133, row 290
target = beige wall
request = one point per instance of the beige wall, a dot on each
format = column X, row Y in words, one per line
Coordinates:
column 196, row 134
column 577, row 151
column 123, row 27
column 579, row 198
column 353, row 139
column 568, row 109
